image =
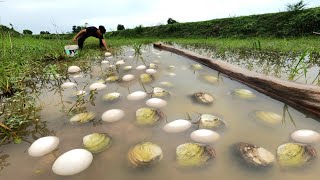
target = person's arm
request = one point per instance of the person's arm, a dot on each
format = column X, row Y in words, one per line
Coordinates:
column 104, row 43
column 79, row 34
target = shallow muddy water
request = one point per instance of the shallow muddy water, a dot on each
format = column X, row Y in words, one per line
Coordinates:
column 238, row 114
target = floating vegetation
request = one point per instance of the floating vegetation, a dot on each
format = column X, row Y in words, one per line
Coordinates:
column 177, row 126
column 96, row 142
column 145, row 154
column 72, row 162
column 74, row 69
column 112, row 115
column 204, row 136
column 193, row 154
column 208, row 121
column 159, row 92
column 112, row 79
column 83, row 117
column 111, row 96
column 295, row 155
column 97, row 86
column 137, row 95
column 68, row 85
column 244, row 93
column 305, row 136
column 146, row 78
column 156, row 103
column 148, row 116
column 43, row 146
column 204, row 98
column 268, row 118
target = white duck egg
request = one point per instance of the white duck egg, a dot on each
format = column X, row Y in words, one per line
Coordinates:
column 43, row 146
column 128, row 77
column 151, row 71
column 68, row 85
column 305, row 136
column 141, row 67
column 204, row 136
column 97, row 86
column 156, row 103
column 135, row 96
column 176, row 126
column 74, row 69
column 112, row 115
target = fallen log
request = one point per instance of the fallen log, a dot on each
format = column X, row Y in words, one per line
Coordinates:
column 303, row 97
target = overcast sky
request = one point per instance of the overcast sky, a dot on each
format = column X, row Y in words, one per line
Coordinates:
column 60, row 15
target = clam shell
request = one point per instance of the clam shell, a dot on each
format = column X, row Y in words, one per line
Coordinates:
column 43, row 146
column 269, row 118
column 177, row 126
column 128, row 77
column 156, row 103
column 203, row 98
column 72, row 162
column 147, row 116
column 204, row 136
column 152, row 66
column 194, row 154
column 146, row 78
column 305, row 136
column 96, row 142
column 111, row 96
column 255, row 156
column 210, row 79
column 112, row 79
column 74, row 69
column 295, row 155
column 138, row 95
column 244, row 93
column 68, row 85
column 196, row 67
column 159, row 92
column 83, row 117
column 145, row 154
column 208, row 121
column 112, row 115
column 127, row 68
column 141, row 67
column 97, row 86
column 151, row 71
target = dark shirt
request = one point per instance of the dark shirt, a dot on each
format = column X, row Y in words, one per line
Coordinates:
column 92, row 31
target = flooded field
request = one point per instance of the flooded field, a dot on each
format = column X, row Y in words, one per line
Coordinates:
column 182, row 78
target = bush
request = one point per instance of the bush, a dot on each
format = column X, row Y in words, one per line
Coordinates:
column 120, row 27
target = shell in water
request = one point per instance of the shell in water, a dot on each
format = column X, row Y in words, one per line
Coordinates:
column 97, row 86
column 295, row 155
column 196, row 67
column 210, row 79
column 128, row 77
column 146, row 78
column 112, row 79
column 141, row 67
column 111, row 96
column 268, row 118
column 120, row 62
column 127, row 68
column 305, row 136
column 68, row 85
column 83, row 117
column 107, row 54
column 203, row 98
column 147, row 116
column 177, row 126
column 152, row 66
column 74, row 69
column 156, row 103
column 204, row 136
column 112, row 115
column 254, row 156
column 159, row 92
column 244, row 93
column 43, row 146
column 208, row 121
column 194, row 154
column 72, row 162
column 151, row 71
column 96, row 142
column 145, row 154
column 138, row 95
column 166, row 84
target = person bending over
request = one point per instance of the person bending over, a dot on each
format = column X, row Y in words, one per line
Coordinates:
column 91, row 31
